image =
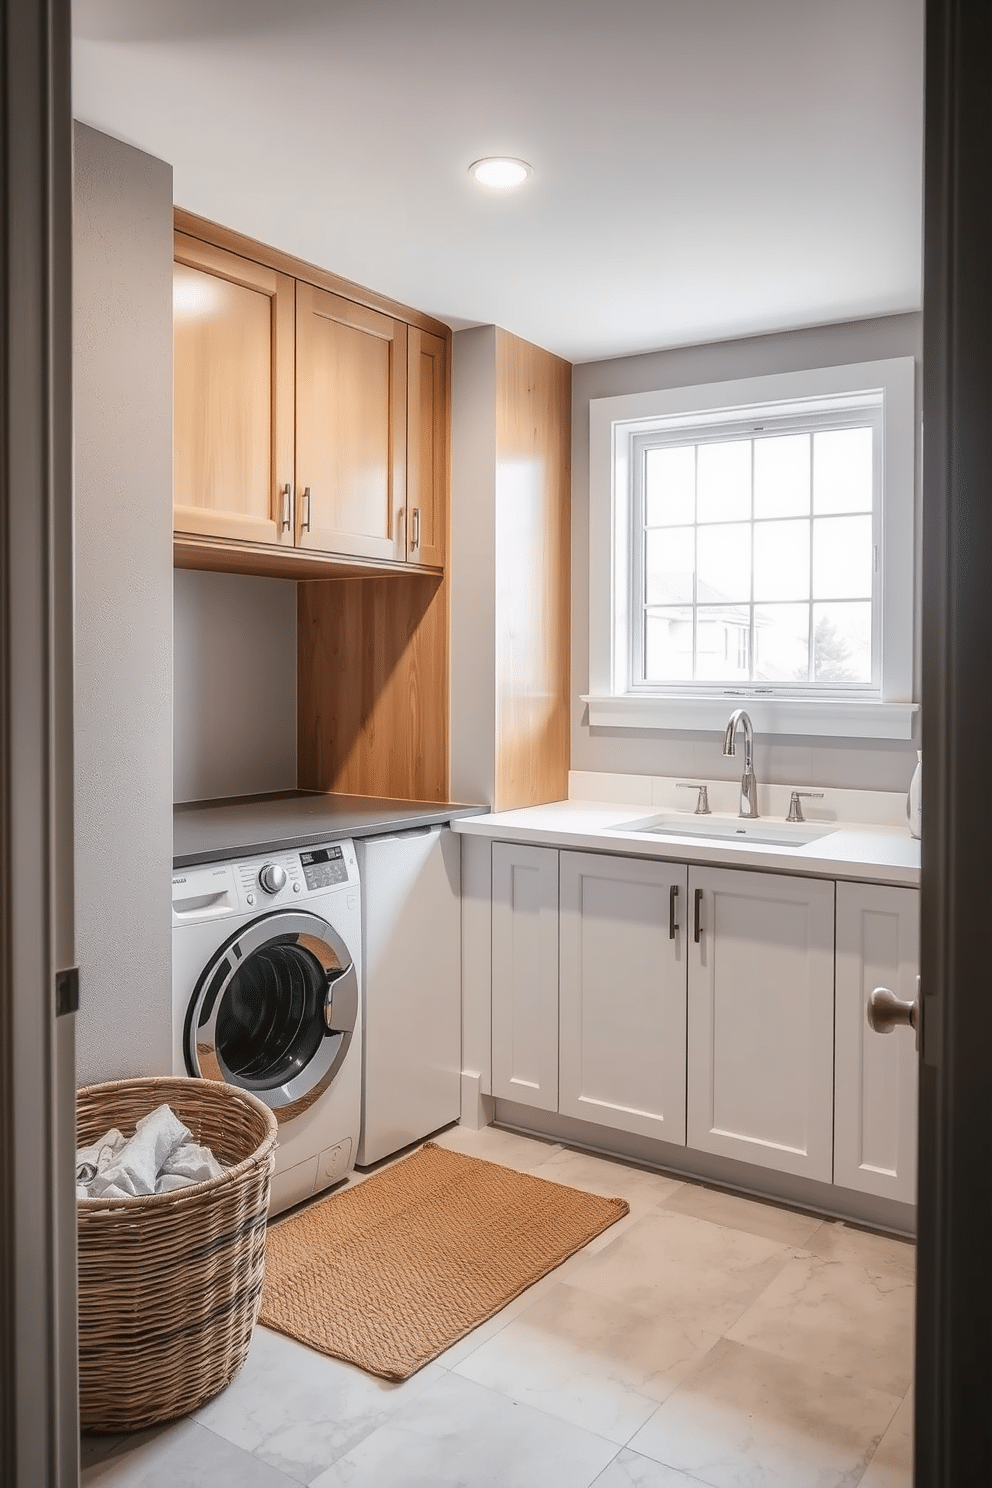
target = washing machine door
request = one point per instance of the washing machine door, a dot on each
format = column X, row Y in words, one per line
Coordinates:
column 275, row 1010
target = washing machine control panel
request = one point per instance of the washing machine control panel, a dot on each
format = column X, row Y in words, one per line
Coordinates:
column 323, row 867
column 261, row 884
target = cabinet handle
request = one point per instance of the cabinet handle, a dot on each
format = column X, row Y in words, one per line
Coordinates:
column 697, row 929
column 286, row 497
column 416, row 527
column 305, row 523
column 673, row 924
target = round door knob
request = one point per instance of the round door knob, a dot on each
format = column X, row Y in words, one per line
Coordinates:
column 272, row 878
column 886, row 1011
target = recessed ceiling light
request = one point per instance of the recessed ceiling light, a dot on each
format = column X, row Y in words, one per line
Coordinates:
column 500, row 173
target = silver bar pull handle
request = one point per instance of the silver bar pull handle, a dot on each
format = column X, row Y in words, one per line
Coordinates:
column 305, row 522
column 886, row 1011
column 673, row 923
column 287, row 496
column 697, row 928
column 415, row 541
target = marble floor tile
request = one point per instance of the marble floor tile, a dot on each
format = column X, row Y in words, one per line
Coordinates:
column 588, row 1360
column 480, row 1335
column 745, row 1419
column 496, row 1145
column 892, row 1464
column 629, row 1470
column 300, row 1411
column 735, row 1212
column 880, row 1255
column 458, row 1434
column 608, row 1176
column 96, row 1444
column 185, row 1454
column 836, row 1316
column 698, row 1274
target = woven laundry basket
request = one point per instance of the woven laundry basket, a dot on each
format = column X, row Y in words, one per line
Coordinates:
column 170, row 1285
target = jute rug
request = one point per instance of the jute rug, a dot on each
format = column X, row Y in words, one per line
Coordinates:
column 393, row 1271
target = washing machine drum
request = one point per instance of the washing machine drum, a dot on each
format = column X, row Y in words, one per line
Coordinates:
column 275, row 1010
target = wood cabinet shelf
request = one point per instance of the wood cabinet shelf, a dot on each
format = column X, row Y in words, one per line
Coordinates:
column 219, row 556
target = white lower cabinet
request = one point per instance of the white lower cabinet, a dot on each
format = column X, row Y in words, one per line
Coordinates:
column 717, row 1008
column 761, row 1019
column 875, row 1136
column 623, row 993
column 525, row 974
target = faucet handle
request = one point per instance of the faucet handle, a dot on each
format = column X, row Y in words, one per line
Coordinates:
column 702, row 799
column 795, row 808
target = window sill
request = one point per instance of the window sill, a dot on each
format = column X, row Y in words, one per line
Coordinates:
column 832, row 718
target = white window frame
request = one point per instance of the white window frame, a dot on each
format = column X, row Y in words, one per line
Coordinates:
column 614, row 423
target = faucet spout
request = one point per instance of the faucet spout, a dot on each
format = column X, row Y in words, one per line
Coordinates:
column 749, row 786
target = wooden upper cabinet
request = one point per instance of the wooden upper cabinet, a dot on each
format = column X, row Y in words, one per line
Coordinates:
column 427, row 448
column 311, row 417
column 351, row 384
column 233, row 396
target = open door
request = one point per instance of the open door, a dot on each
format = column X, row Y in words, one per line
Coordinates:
column 954, row 1301
column 39, row 1444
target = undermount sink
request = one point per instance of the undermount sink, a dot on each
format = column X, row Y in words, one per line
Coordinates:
column 730, row 829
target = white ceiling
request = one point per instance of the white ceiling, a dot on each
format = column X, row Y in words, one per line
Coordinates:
column 702, row 168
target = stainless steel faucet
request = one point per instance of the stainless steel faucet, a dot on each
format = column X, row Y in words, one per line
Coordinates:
column 749, row 786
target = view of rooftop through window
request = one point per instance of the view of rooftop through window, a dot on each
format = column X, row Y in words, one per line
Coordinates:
column 757, row 560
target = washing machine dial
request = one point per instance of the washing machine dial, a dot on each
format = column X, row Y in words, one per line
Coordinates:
column 272, row 878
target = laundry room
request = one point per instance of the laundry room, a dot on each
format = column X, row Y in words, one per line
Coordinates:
column 497, row 750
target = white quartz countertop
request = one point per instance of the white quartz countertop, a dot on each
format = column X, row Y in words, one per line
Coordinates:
column 872, row 852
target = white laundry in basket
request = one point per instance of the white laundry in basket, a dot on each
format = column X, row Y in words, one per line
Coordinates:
column 160, row 1157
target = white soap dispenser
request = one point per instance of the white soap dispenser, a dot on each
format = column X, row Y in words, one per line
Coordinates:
column 913, row 800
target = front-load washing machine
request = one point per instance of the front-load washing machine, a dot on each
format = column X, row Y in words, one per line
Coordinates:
column 265, row 992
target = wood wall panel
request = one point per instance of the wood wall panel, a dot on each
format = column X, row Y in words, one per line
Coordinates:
column 533, row 541
column 373, row 687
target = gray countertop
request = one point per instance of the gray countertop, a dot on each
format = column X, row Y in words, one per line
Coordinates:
column 240, row 826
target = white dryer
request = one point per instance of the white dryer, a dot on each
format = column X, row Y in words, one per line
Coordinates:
column 266, row 980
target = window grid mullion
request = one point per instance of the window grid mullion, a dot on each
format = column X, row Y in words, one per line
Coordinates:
column 751, row 631
column 695, row 562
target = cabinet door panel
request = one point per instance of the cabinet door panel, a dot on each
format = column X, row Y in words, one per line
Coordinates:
column 427, row 448
column 623, row 994
column 525, row 974
column 350, row 427
column 761, row 1020
column 233, row 395
column 876, row 1081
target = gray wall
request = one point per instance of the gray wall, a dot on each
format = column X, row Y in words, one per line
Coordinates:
column 235, row 685
column 865, row 764
column 122, row 279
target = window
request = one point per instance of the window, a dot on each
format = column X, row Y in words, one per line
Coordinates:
column 757, row 546
column 753, row 554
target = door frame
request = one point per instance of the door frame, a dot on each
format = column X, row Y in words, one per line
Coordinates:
column 953, row 1428
column 39, row 1432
